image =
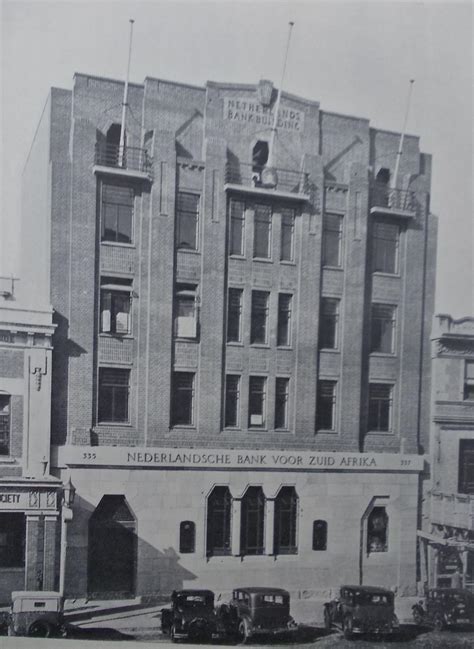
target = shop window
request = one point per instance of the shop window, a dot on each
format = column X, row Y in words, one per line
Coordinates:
column 115, row 305
column 113, row 394
column 187, row 537
column 234, row 315
column 286, row 509
column 385, row 244
column 466, row 466
column 320, row 536
column 259, row 317
column 12, row 540
column 219, row 510
column 5, row 416
column 282, row 386
column 326, row 406
column 332, row 240
column 380, row 407
column 262, row 231
column 284, row 319
column 237, row 227
column 469, row 381
column 185, row 311
column 287, row 234
column 117, row 213
column 329, row 323
column 187, row 218
column 182, row 399
column 257, row 401
column 377, row 530
column 382, row 328
column 232, row 401
column 252, row 522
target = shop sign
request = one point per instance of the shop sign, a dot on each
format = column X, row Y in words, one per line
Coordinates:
column 11, row 499
column 6, row 337
column 235, row 459
column 252, row 112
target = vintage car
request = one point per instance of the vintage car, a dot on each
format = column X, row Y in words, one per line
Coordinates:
column 36, row 614
column 361, row 609
column 443, row 607
column 257, row 611
column 192, row 616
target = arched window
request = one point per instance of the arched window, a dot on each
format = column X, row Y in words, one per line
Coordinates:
column 259, row 155
column 320, row 535
column 377, row 530
column 252, row 522
column 219, row 509
column 284, row 533
column 187, row 537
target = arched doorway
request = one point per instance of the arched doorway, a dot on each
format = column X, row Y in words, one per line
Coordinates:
column 112, row 550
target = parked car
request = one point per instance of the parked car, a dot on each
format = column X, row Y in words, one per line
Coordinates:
column 361, row 609
column 255, row 611
column 36, row 613
column 192, row 615
column 443, row 607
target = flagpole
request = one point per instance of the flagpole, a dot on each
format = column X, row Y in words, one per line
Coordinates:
column 125, row 98
column 277, row 103
column 402, row 136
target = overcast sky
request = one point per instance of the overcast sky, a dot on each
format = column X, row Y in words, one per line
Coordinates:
column 354, row 57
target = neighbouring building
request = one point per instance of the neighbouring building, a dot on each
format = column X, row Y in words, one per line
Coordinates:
column 29, row 495
column 447, row 542
column 241, row 369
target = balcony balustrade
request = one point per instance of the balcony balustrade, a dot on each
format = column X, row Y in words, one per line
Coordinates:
column 264, row 179
column 126, row 158
column 453, row 510
column 387, row 200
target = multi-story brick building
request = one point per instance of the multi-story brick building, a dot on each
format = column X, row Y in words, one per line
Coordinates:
column 29, row 495
column 448, row 538
column 241, row 375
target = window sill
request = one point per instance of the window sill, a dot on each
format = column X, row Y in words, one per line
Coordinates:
column 260, row 345
column 331, row 350
column 186, row 339
column 257, row 429
column 382, row 273
column 285, row 347
column 383, row 354
column 232, row 429
column 177, row 427
column 282, row 430
column 115, row 424
column 106, row 334
column 235, row 343
column 7, row 459
column 188, row 251
column 12, row 568
column 385, row 433
column 119, row 244
column 264, row 260
column 326, row 431
column 241, row 257
column 341, row 268
column 288, row 262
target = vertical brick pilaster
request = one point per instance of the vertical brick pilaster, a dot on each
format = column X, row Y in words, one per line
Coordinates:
column 269, row 525
column 32, row 564
column 49, row 556
column 235, row 531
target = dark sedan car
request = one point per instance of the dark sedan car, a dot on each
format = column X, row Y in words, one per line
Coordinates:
column 444, row 607
column 191, row 616
column 361, row 609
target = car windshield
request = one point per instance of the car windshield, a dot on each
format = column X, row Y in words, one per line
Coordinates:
column 376, row 599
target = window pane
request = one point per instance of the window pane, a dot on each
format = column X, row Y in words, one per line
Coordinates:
column 284, row 534
column 257, row 385
column 232, row 400
column 258, row 329
column 382, row 328
column 185, row 315
column 234, row 315
column 380, row 404
column 182, row 399
column 4, row 424
column 466, row 466
column 117, row 213
column 124, row 225
column 332, row 238
column 219, row 508
column 328, row 323
column 284, row 319
column 326, row 405
column 320, row 535
column 385, row 246
column 113, row 394
column 12, row 540
column 252, row 521
column 237, row 216
column 187, row 536
column 187, row 213
column 287, row 229
column 281, row 402
column 262, row 228
column 377, row 530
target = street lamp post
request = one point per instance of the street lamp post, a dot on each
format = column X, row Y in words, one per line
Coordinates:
column 69, row 492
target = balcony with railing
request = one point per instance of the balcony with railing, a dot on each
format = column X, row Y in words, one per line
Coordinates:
column 389, row 201
column 453, row 510
column 268, row 181
column 123, row 160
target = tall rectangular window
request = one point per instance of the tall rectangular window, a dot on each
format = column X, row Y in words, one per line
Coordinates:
column 187, row 217
column 382, row 331
column 332, row 240
column 5, row 424
column 469, row 381
column 262, row 231
column 287, row 234
column 282, row 386
column 185, row 311
column 182, row 399
column 466, row 466
column 252, row 522
column 115, row 305
column 12, row 540
column 232, row 400
column 113, row 394
column 326, row 406
column 117, row 213
column 380, row 407
column 284, row 320
column 329, row 323
column 237, row 227
column 385, row 243
column 234, row 315
column 259, row 317
column 257, row 401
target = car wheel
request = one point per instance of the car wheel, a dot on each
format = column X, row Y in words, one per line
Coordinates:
column 438, row 622
column 327, row 620
column 243, row 634
column 40, row 629
column 347, row 627
column 417, row 616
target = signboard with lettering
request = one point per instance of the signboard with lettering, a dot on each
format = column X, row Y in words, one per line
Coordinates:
column 37, row 500
column 233, row 459
column 6, row 336
column 252, row 112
